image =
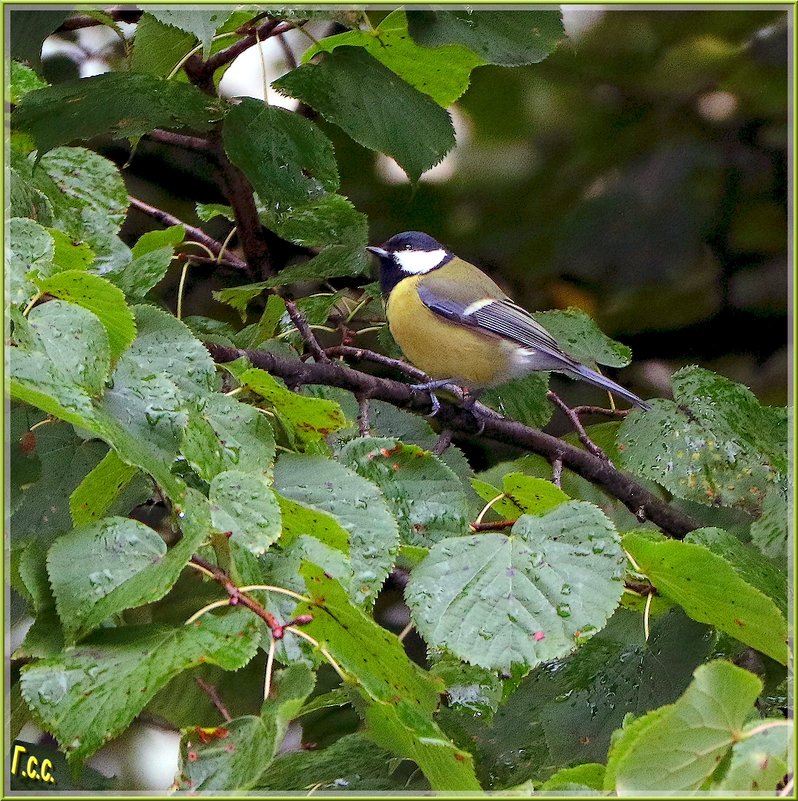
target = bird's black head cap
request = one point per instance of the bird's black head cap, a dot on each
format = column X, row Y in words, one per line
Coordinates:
column 404, row 255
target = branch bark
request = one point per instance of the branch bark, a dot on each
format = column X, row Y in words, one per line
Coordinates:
column 642, row 503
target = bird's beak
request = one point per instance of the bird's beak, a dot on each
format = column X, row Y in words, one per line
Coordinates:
column 381, row 252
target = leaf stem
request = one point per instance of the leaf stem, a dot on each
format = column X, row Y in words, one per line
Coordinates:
column 180, row 289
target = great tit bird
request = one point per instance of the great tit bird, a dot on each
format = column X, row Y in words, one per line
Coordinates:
column 455, row 324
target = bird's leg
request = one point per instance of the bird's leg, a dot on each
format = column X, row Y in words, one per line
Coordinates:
column 430, row 386
column 470, row 397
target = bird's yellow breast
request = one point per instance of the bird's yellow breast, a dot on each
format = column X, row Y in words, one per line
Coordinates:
column 444, row 349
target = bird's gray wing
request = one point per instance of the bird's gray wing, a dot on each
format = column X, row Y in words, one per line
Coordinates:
column 500, row 316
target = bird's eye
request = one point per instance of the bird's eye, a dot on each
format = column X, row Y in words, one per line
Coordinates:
column 408, row 246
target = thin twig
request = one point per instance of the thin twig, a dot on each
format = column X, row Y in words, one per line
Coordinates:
column 169, row 219
column 301, row 324
column 580, row 410
column 237, row 597
column 197, row 143
column 363, row 416
column 577, row 424
column 265, row 31
column 639, row 500
column 363, row 355
column 556, row 471
column 123, row 14
column 498, row 525
column 207, row 260
column 213, row 694
column 443, row 442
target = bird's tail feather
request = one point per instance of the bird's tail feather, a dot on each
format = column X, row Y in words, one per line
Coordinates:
column 598, row 380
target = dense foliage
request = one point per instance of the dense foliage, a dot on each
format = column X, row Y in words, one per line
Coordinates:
column 211, row 522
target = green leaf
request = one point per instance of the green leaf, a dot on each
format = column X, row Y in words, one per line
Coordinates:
column 25, row 200
column 227, row 435
column 715, row 445
column 564, row 712
column 534, row 496
column 243, row 504
column 122, row 104
column 239, row 297
column 760, row 760
column 29, row 247
column 352, row 762
column 374, row 106
column 158, row 48
column 496, row 601
column 286, row 158
column 426, row 497
column 201, row 23
column 98, row 296
column 67, row 365
column 155, row 240
column 69, row 255
column 94, row 495
column 298, row 520
column 333, row 262
column 682, row 745
column 589, row 776
column 443, row 73
column 373, row 657
column 31, row 28
column 158, row 379
column 88, row 198
column 23, row 80
column 680, row 571
column 130, row 565
column 509, row 38
column 758, row 571
column 469, row 688
column 152, row 255
column 412, row 734
column 120, row 549
column 311, row 418
column 504, row 508
column 327, row 220
column 229, row 757
column 769, row 532
column 582, row 339
column 356, row 504
column 523, row 399
column 91, row 692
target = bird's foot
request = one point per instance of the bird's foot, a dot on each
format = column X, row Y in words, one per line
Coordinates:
column 430, row 386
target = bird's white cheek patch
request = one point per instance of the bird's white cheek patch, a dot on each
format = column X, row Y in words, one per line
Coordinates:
column 417, row 262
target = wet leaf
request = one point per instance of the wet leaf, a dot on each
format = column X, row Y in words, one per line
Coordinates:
column 426, row 497
column 91, row 692
column 497, row 601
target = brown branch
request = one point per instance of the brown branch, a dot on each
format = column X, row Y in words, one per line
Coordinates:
column 262, row 32
column 498, row 525
column 580, row 410
column 640, row 587
column 237, row 597
column 122, row 14
column 363, row 355
column 199, row 235
column 207, row 260
column 301, row 325
column 642, row 503
column 363, row 416
column 443, row 442
column 198, row 143
column 216, row 700
column 556, row 472
column 577, row 424
column 241, row 197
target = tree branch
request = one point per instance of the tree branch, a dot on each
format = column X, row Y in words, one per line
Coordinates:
column 237, row 597
column 199, row 235
column 642, row 503
column 301, row 325
column 198, row 143
column 122, row 14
